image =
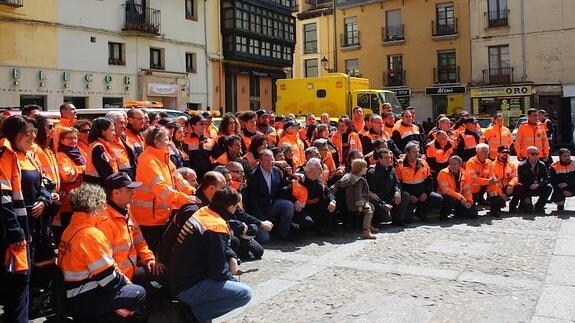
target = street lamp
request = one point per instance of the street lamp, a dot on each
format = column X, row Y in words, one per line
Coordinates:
column 325, row 65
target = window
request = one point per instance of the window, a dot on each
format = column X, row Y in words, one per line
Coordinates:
column 116, row 54
column 395, row 71
column 352, row 67
column 112, row 102
column 310, row 67
column 446, row 67
column 191, row 10
column 191, row 62
column 445, row 19
column 156, row 59
column 499, row 68
column 351, row 32
column 310, row 38
column 393, row 25
column 254, row 92
column 497, row 13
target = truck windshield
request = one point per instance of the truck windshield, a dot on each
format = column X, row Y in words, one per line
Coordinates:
column 391, row 98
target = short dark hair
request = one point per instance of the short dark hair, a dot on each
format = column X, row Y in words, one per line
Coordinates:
column 379, row 153
column 247, row 116
column 564, row 151
column 64, row 106
column 531, row 111
column 27, row 109
column 224, row 198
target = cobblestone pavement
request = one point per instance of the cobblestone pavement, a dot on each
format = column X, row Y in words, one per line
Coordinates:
column 513, row 269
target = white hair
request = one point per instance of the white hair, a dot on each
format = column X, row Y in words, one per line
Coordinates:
column 313, row 163
column 482, row 146
column 116, row 114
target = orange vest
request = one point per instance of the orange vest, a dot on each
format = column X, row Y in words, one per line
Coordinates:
column 10, row 182
column 409, row 173
column 298, row 148
column 63, row 123
column 163, row 189
column 135, row 140
column 447, row 184
column 84, row 149
column 119, row 151
column 439, row 154
column 108, row 156
column 49, row 164
column 479, row 172
column 353, row 141
column 495, row 137
column 125, row 239
column 71, row 175
column 531, row 135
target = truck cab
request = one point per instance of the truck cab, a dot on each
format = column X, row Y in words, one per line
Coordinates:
column 371, row 100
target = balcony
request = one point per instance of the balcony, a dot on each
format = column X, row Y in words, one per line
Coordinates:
column 498, row 18
column 142, row 19
column 350, row 39
column 503, row 75
column 444, row 30
column 394, row 78
column 12, row 3
column 392, row 34
column 446, row 74
column 320, row 3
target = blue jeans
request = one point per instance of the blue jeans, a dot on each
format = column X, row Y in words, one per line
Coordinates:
column 282, row 210
column 209, row 298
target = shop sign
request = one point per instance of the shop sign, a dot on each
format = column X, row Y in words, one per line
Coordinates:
column 157, row 89
column 401, row 92
column 444, row 90
column 501, row 91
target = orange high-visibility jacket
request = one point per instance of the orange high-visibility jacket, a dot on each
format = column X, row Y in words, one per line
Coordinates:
column 447, row 184
column 353, row 140
column 71, row 176
column 84, row 256
column 162, row 191
column 84, row 149
column 15, row 216
column 47, row 160
column 506, row 175
column 120, row 153
column 496, row 136
column 125, row 239
column 479, row 172
column 531, row 135
column 440, row 155
column 298, row 148
column 136, row 141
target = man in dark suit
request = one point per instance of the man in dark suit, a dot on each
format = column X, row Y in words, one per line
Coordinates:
column 268, row 197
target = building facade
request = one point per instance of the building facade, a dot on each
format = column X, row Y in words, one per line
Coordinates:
column 522, row 59
column 315, row 39
column 101, row 53
column 258, row 39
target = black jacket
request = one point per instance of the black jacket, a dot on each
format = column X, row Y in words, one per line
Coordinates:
column 528, row 175
column 259, row 199
column 383, row 181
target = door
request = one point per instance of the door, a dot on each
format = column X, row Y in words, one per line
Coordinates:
column 552, row 104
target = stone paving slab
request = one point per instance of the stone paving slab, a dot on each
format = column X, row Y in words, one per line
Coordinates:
column 557, row 302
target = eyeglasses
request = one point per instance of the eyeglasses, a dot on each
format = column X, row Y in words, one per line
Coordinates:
column 50, row 126
column 533, row 154
column 30, row 132
column 241, row 172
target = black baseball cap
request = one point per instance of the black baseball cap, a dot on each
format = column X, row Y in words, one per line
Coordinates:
column 197, row 118
column 503, row 149
column 291, row 123
column 119, row 180
column 262, row 112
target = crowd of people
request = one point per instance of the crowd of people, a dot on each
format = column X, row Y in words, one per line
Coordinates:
column 114, row 208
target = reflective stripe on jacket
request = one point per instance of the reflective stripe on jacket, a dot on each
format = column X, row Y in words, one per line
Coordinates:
column 479, row 173
column 506, row 175
column 531, row 135
column 163, row 189
column 447, row 184
column 84, row 256
column 125, row 239
column 14, row 212
column 496, row 136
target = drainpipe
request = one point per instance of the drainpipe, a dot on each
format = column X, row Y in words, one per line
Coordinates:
column 335, row 36
column 523, row 51
column 206, row 53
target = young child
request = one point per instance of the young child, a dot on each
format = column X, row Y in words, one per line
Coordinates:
column 357, row 195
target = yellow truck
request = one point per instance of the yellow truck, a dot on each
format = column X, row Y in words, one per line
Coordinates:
column 336, row 94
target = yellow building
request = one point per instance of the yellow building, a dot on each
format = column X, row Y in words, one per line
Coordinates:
column 418, row 48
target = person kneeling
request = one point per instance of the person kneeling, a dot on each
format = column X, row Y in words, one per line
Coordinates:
column 202, row 265
column 96, row 290
column 533, row 181
column 455, row 187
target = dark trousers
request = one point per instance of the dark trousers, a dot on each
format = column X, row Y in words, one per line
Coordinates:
column 321, row 217
column 433, row 201
column 450, row 205
column 243, row 247
column 100, row 305
column 153, row 235
column 479, row 197
column 524, row 192
column 558, row 196
column 397, row 213
column 15, row 295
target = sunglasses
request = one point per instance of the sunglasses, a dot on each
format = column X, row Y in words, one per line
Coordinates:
column 50, row 126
